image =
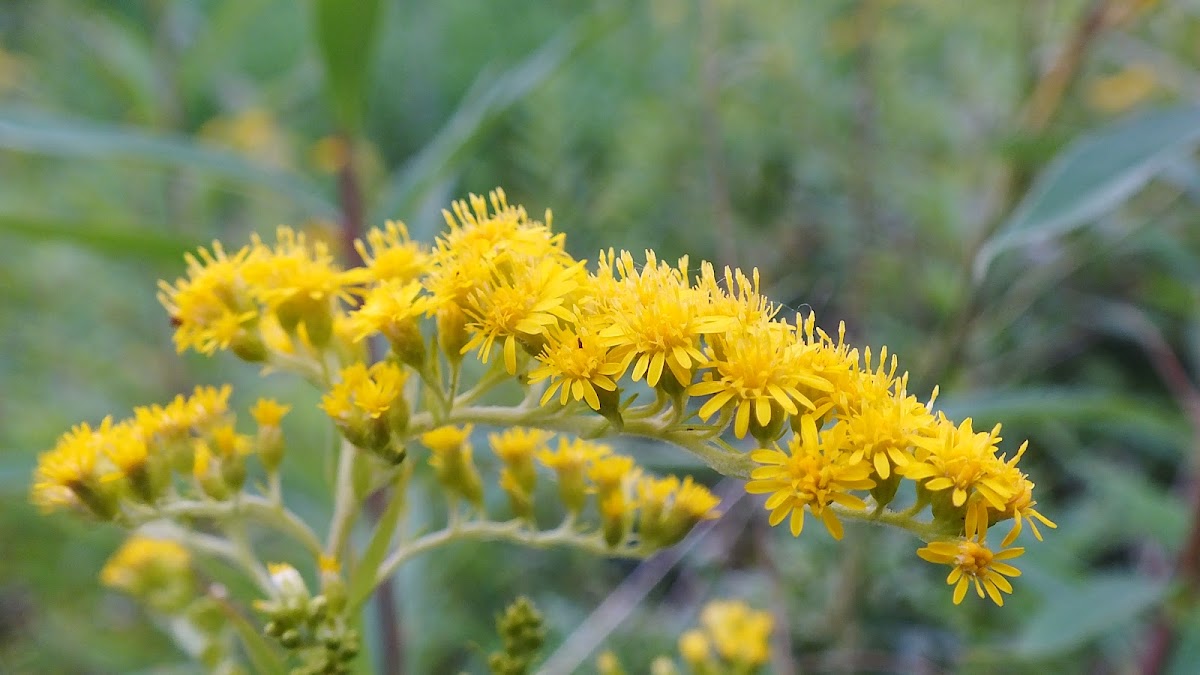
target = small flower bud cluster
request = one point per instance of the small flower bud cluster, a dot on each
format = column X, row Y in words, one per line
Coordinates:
column 369, row 408
column 312, row 627
column 158, row 573
column 732, row 639
column 522, row 630
column 634, row 507
column 137, row 461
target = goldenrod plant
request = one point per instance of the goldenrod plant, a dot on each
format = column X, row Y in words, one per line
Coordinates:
column 496, row 326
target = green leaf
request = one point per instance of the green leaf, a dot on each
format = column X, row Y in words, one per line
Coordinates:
column 486, row 100
column 346, row 35
column 263, row 656
column 363, row 581
column 1093, row 176
column 1072, row 616
column 43, row 134
column 100, row 237
column 1131, row 506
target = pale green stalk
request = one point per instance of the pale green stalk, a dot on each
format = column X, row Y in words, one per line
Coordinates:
column 345, row 503
column 515, row 531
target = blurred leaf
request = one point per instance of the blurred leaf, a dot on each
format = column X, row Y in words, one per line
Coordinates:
column 1094, row 175
column 366, row 569
column 100, row 237
column 346, row 36
column 488, row 97
column 1071, row 616
column 1130, row 505
column 40, row 133
column 262, row 655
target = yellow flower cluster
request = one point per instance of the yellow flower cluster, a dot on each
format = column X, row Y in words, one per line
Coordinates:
column 134, row 460
column 661, row 511
column 733, row 638
column 836, row 432
column 156, row 570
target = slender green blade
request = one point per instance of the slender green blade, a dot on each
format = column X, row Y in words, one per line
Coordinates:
column 487, row 100
column 1095, row 175
column 122, row 241
column 40, row 133
column 346, row 36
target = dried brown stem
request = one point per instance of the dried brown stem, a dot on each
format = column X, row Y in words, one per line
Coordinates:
column 1160, row 640
column 387, row 609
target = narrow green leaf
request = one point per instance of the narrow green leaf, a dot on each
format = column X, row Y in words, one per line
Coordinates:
column 487, row 99
column 363, row 581
column 1094, row 175
column 1131, row 506
column 346, row 35
column 263, row 656
column 1072, row 616
column 41, row 133
column 100, row 237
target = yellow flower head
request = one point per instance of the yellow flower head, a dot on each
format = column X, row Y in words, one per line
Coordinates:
column 392, row 308
column 226, row 442
column 520, row 305
column 73, row 462
column 609, row 473
column 448, row 439
column 518, row 444
column 573, row 454
column 579, row 364
column 963, row 461
column 657, row 320
column 569, row 462
column 816, row 473
column 296, row 268
column 695, row 648
column 974, row 562
column 1020, row 507
column 886, row 426
column 125, row 447
column 832, row 361
column 502, row 231
column 694, row 502
column 482, row 244
column 453, row 461
column 207, row 406
column 364, row 391
column 735, row 300
column 759, row 372
column 143, row 563
column 392, row 256
column 739, row 634
column 268, row 412
column 298, row 281
column 212, row 308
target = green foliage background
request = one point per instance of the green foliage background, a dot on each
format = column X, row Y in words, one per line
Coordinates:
column 876, row 159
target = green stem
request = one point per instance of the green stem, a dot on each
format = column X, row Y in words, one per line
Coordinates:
column 259, row 509
column 218, row 547
column 721, row 459
column 926, row 531
column 345, row 503
column 515, row 531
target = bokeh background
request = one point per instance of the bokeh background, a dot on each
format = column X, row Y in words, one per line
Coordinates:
column 1006, row 194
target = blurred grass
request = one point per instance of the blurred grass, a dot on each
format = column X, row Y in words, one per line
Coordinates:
column 870, row 156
